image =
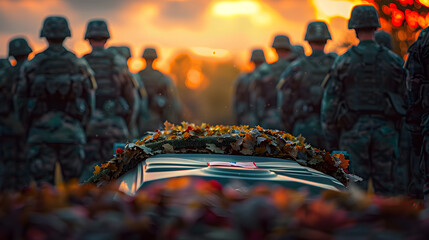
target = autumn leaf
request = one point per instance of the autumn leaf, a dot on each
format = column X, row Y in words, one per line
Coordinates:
column 168, row 126
column 97, row 169
column 246, row 151
column 260, row 150
column 168, row 148
column 344, row 162
column 186, row 135
column 213, row 148
column 301, row 139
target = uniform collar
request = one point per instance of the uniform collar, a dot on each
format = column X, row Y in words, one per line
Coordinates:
column 56, row 48
column 317, row 53
column 367, row 43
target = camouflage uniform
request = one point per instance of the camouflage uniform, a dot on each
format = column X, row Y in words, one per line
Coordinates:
column 114, row 97
column 12, row 134
column 300, row 89
column 417, row 114
column 402, row 171
column 54, row 101
column 162, row 97
column 141, row 108
column 299, row 51
column 242, row 105
column 263, row 87
column 362, row 104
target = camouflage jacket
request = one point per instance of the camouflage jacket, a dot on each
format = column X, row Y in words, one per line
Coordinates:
column 9, row 123
column 116, row 88
column 263, row 85
column 366, row 80
column 54, row 96
column 162, row 95
column 418, row 84
column 299, row 90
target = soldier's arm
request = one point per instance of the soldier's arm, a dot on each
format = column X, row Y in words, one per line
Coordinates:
column 287, row 94
column 415, row 79
column 22, row 92
column 129, row 92
column 89, row 87
column 329, row 108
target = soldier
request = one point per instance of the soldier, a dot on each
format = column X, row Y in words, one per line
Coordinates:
column 141, row 109
column 417, row 114
column 54, row 101
column 114, row 97
column 402, row 171
column 264, row 81
column 363, row 103
column 12, row 137
column 300, row 93
column 384, row 39
column 163, row 100
column 299, row 51
column 242, row 107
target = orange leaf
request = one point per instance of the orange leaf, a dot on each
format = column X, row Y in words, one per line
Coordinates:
column 186, row 135
column 97, row 169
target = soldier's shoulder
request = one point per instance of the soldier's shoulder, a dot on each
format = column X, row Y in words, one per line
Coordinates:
column 342, row 60
column 392, row 57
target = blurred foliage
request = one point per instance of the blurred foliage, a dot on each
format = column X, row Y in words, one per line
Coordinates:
column 191, row 208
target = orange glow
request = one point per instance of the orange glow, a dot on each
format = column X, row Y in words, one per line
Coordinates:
column 424, row 2
column 136, row 64
column 412, row 18
column 194, row 79
column 327, row 9
column 209, row 52
column 233, row 8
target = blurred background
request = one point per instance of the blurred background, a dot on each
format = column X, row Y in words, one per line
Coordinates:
column 205, row 44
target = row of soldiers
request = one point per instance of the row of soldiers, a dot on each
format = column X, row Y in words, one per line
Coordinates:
column 61, row 114
column 354, row 102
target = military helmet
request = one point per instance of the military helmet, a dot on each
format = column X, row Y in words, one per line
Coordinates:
column 384, row 39
column 55, row 27
column 364, row 16
column 317, row 31
column 298, row 50
column 122, row 50
column 257, row 55
column 19, row 47
column 97, row 29
column 281, row 41
column 150, row 53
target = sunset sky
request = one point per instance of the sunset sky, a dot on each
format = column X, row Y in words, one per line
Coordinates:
column 217, row 29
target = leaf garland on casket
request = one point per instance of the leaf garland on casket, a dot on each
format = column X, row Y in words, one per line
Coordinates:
column 219, row 139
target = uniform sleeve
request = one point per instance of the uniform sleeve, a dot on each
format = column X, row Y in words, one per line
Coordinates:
column 415, row 78
column 90, row 85
column 288, row 93
column 330, row 104
column 21, row 95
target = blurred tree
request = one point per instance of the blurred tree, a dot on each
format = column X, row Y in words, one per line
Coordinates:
column 403, row 19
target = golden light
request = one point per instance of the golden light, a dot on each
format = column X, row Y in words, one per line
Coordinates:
column 327, row 9
column 210, row 52
column 233, row 8
column 424, row 2
column 135, row 64
column 194, row 79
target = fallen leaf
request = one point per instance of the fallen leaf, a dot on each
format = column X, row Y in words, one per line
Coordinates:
column 215, row 149
column 246, row 151
column 168, row 148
